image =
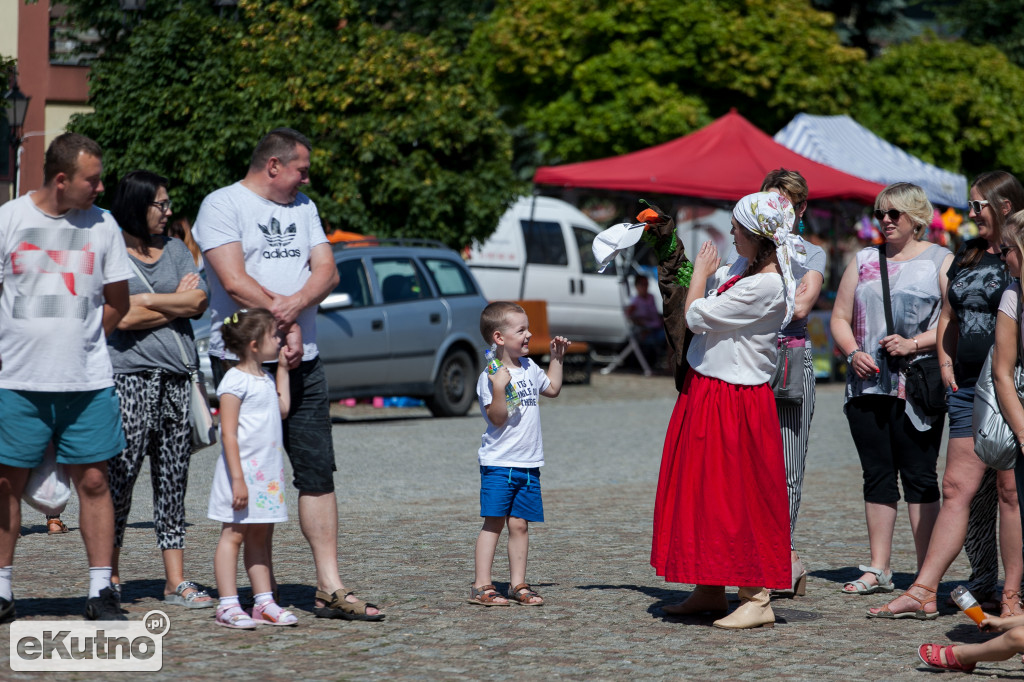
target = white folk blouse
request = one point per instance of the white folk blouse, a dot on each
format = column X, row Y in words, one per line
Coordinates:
column 736, row 332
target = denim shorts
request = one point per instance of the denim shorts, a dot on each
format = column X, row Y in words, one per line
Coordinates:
column 511, row 491
column 85, row 426
column 307, row 430
column 961, row 412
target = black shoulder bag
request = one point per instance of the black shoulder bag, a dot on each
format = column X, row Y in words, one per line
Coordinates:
column 923, row 378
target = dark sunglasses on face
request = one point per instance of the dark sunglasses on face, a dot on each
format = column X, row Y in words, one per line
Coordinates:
column 975, row 205
column 1004, row 251
column 893, row 214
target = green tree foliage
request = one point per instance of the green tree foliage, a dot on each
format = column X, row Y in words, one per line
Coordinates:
column 987, row 22
column 950, row 103
column 582, row 79
column 406, row 142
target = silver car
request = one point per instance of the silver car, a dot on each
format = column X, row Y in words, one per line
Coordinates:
column 404, row 320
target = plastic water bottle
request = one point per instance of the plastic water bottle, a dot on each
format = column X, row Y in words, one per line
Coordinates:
column 512, row 400
column 968, row 604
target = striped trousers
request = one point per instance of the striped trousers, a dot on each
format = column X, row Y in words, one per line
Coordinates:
column 795, row 421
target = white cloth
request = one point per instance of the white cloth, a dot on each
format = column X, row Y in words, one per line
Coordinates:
column 51, row 309
column 518, row 443
column 1008, row 306
column 261, row 452
column 608, row 243
column 736, row 332
column 771, row 215
column 276, row 243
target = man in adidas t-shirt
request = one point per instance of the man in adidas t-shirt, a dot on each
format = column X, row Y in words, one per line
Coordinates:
column 265, row 248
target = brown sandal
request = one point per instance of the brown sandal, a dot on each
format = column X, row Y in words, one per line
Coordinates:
column 337, row 606
column 485, row 595
column 1010, row 605
column 521, row 592
column 54, row 526
column 919, row 613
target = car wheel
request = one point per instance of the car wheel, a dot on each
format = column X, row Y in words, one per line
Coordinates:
column 454, row 388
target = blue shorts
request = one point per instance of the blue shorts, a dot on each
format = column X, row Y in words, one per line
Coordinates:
column 85, row 426
column 511, row 491
column 961, row 412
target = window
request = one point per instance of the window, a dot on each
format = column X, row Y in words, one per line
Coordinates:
column 352, row 281
column 449, row 277
column 399, row 280
column 585, row 243
column 544, row 243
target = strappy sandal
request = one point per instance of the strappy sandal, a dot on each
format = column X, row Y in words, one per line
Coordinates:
column 196, row 599
column 522, row 592
column 942, row 657
column 486, row 595
column 235, row 618
column 917, row 614
column 883, row 584
column 1010, row 605
column 54, row 526
column 337, row 606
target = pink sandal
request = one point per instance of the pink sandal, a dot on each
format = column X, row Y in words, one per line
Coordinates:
column 234, row 617
column 941, row 657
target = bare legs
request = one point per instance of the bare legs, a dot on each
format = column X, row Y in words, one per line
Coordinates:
column 257, row 560
column 960, row 483
column 518, row 550
column 881, row 520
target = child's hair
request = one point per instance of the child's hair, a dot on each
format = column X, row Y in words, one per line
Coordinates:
column 244, row 327
column 1013, row 231
column 494, row 316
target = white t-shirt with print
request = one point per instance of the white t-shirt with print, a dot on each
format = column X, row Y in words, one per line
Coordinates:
column 518, row 443
column 51, row 309
column 276, row 243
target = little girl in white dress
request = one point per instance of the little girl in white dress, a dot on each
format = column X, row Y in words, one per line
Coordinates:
column 248, row 485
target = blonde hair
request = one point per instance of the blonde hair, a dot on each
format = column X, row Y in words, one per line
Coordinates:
column 1013, row 228
column 911, row 200
column 494, row 317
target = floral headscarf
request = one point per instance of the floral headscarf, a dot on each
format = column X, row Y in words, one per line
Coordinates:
column 771, row 215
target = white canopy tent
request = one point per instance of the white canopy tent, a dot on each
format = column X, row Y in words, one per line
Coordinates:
column 842, row 143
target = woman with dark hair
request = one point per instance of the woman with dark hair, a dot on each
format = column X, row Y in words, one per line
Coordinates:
column 720, row 515
column 966, row 332
column 153, row 353
column 896, row 441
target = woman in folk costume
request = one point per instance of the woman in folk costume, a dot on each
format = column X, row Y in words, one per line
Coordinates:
column 721, row 516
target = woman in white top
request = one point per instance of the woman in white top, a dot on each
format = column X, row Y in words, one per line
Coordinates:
column 721, row 514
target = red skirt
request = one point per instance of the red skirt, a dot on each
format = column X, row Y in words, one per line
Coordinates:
column 721, row 515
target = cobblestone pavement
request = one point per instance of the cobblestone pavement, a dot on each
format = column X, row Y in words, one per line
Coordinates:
column 409, row 515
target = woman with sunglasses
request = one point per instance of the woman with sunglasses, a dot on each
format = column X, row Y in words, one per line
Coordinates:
column 895, row 441
column 966, row 332
column 153, row 351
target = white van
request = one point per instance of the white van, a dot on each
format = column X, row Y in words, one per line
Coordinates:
column 542, row 250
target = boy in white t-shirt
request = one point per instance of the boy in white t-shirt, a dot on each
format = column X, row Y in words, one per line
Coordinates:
column 511, row 452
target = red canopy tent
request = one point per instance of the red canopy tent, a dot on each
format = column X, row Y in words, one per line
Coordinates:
column 727, row 159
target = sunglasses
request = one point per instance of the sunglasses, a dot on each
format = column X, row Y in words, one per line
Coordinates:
column 164, row 206
column 893, row 214
column 975, row 205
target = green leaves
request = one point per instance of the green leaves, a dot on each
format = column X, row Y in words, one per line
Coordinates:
column 406, row 141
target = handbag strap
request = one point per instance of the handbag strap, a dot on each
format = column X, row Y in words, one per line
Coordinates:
column 883, row 271
column 181, row 348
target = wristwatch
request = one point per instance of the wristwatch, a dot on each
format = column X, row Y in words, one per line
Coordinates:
column 849, row 358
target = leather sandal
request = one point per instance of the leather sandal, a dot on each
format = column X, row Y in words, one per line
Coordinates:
column 1010, row 605
column 918, row 614
column 486, row 595
column 522, row 593
column 54, row 526
column 337, row 606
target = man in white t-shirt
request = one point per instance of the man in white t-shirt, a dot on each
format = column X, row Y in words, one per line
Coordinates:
column 64, row 288
column 265, row 248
